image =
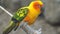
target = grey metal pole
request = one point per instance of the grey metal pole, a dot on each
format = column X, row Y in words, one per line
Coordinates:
column 30, row 30
column 6, row 11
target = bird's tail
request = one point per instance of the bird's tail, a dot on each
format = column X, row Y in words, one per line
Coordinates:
column 9, row 28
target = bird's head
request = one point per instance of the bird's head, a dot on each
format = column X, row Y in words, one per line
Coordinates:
column 37, row 5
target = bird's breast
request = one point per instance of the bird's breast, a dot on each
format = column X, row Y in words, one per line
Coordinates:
column 31, row 17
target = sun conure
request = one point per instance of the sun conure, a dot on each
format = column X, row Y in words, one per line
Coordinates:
column 28, row 14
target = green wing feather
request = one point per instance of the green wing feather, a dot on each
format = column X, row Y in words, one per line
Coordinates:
column 17, row 18
column 21, row 14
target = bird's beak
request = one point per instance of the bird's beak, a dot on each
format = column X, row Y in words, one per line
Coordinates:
column 42, row 11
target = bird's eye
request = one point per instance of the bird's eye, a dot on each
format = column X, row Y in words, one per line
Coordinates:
column 36, row 6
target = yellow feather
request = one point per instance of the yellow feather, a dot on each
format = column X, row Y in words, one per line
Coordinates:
column 32, row 13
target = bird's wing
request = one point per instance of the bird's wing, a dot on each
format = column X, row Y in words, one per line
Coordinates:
column 21, row 14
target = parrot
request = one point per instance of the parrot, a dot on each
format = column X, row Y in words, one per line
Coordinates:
column 27, row 14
